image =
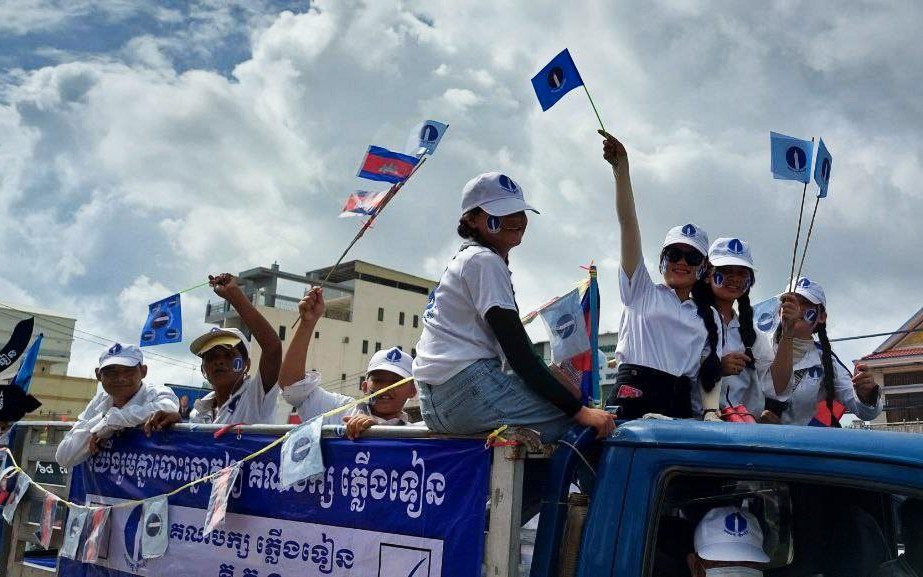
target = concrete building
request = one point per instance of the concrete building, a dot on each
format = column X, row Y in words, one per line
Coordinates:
column 368, row 308
column 63, row 397
column 897, row 365
column 607, row 344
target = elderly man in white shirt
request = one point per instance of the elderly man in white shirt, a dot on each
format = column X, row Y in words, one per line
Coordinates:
column 125, row 401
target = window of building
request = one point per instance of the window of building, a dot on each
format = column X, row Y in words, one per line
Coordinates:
column 343, row 377
column 377, row 347
column 281, row 332
column 316, row 334
column 400, row 319
column 906, row 378
column 365, row 347
column 413, row 353
column 416, row 321
column 381, row 314
column 904, row 407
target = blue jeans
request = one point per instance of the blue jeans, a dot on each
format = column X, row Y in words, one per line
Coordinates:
column 481, row 398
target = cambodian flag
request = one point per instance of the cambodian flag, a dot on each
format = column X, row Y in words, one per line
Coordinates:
column 363, row 203
column 383, row 164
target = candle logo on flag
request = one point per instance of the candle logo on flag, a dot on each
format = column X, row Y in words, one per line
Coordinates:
column 164, row 322
column 766, row 314
column 566, row 327
column 154, row 527
column 22, row 485
column 73, row 530
column 822, row 166
column 426, row 137
column 556, row 79
column 95, row 539
column 49, row 508
column 218, row 500
column 301, row 453
column 790, row 157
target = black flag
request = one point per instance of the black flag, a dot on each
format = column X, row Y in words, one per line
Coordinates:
column 15, row 403
column 17, row 344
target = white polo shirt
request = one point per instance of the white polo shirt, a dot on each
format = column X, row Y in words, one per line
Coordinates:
column 249, row 404
column 658, row 330
column 100, row 418
column 310, row 400
column 455, row 332
column 806, row 389
column 746, row 388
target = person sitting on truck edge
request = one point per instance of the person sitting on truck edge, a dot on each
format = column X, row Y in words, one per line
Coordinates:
column 803, row 373
column 729, row 543
column 747, row 354
column 302, row 389
column 237, row 397
column 125, row 401
column 669, row 335
column 472, row 321
column 910, row 562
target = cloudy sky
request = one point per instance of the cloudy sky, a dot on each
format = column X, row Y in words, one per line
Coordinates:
column 143, row 146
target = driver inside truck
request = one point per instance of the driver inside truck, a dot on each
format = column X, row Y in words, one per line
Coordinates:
column 728, row 543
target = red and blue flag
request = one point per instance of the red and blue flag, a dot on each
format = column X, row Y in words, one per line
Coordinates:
column 386, row 165
column 363, row 203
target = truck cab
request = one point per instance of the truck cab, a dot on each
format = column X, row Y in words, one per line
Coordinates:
column 828, row 500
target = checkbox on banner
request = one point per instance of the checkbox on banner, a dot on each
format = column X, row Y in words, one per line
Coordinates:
column 403, row 561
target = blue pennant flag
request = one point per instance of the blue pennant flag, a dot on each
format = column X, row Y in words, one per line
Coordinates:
column 24, row 375
column 822, row 165
column 164, row 322
column 426, row 137
column 791, row 157
column 766, row 314
column 556, row 79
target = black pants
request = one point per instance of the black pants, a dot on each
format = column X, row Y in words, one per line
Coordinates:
column 639, row 390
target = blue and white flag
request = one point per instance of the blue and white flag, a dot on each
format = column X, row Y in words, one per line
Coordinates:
column 566, row 327
column 22, row 486
column 222, row 485
column 164, row 322
column 822, row 165
column 766, row 314
column 791, row 157
column 301, row 453
column 426, row 137
column 73, row 530
column 556, row 79
column 154, row 527
column 23, row 377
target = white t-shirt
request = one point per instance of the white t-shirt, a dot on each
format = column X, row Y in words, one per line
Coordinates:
column 248, row 404
column 310, row 399
column 455, row 332
column 658, row 330
column 746, row 388
column 102, row 419
column 806, row 389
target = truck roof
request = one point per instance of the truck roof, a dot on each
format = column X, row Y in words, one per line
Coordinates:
column 867, row 445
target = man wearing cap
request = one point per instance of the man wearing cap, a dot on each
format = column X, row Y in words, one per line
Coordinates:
column 125, row 401
column 238, row 397
column 805, row 373
column 728, row 543
column 302, row 389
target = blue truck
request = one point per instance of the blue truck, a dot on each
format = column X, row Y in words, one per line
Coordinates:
column 828, row 500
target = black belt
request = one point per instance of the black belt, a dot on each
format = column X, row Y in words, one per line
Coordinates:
column 639, row 390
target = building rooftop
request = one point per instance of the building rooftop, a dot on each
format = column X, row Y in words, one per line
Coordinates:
column 893, row 353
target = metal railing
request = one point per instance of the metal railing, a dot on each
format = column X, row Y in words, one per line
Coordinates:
column 904, row 427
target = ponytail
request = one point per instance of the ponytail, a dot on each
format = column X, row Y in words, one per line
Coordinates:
column 826, row 359
column 747, row 331
column 710, row 371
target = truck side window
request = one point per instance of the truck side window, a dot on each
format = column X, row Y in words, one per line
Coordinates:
column 806, row 528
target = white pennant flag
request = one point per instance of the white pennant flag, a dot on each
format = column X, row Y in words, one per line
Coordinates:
column 98, row 521
column 766, row 314
column 154, row 527
column 49, row 508
column 73, row 530
column 301, row 453
column 22, row 485
column 566, row 327
column 6, row 475
column 218, row 500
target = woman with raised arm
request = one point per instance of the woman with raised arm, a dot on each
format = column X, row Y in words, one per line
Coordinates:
column 669, row 341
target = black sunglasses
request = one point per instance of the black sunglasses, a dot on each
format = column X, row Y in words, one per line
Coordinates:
column 675, row 254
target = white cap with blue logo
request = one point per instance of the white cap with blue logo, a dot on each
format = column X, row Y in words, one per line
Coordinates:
column 730, row 534
column 393, row 360
column 810, row 290
column 730, row 252
column 123, row 355
column 690, row 234
column 495, row 193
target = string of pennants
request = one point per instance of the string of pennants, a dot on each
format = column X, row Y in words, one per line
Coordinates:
column 301, row 458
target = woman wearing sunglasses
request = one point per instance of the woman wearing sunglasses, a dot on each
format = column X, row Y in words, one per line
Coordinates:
column 804, row 374
column 668, row 338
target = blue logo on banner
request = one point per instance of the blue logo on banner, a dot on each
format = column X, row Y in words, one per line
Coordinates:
column 736, row 524
column 689, row 230
column 765, row 322
column 735, row 246
column 147, row 336
column 565, row 326
column 796, row 158
column 394, row 355
column 507, row 184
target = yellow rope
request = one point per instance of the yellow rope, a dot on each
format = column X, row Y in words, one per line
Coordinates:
column 251, row 456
